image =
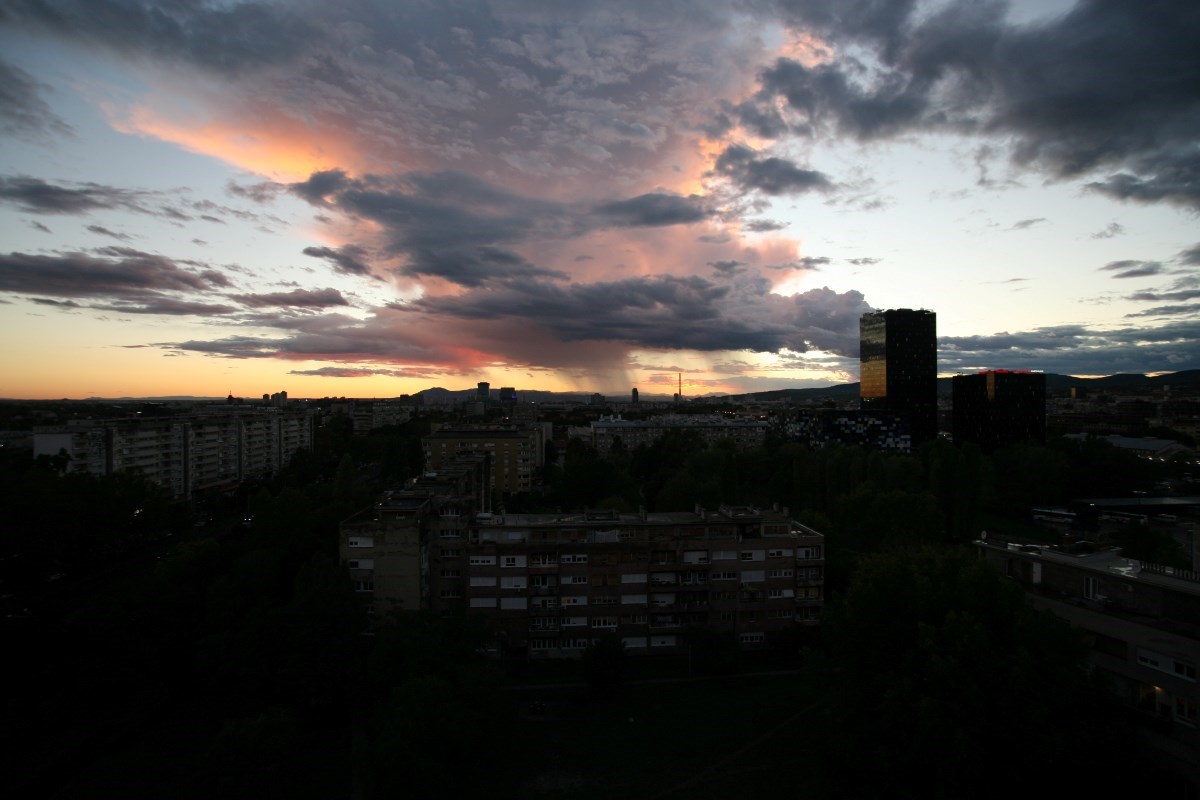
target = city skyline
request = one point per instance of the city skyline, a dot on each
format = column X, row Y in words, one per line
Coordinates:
column 374, row 199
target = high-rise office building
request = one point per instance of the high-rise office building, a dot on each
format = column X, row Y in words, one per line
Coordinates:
column 898, row 360
column 999, row 407
column 483, row 390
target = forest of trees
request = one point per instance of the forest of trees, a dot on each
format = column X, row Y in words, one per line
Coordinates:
column 217, row 650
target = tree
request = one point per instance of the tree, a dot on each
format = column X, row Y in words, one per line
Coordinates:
column 940, row 670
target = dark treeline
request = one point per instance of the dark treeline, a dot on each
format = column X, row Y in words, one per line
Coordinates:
column 217, row 650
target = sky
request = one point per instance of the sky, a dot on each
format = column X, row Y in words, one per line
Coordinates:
column 368, row 198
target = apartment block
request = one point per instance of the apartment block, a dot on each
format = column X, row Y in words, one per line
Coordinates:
column 206, row 450
column 548, row 585
column 515, row 453
column 744, row 433
column 1143, row 623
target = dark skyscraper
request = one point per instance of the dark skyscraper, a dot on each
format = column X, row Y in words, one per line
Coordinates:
column 998, row 408
column 898, row 358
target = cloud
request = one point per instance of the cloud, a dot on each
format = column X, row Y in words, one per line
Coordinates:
column 100, row 230
column 225, row 39
column 262, row 192
column 363, row 372
column 23, row 112
column 1166, row 311
column 1105, row 85
column 1190, row 256
column 771, row 175
column 1113, row 229
column 863, row 262
column 131, row 274
column 763, row 225
column 1078, row 349
column 1133, row 269
column 1021, row 225
column 297, row 298
column 36, row 196
column 347, row 259
column 650, row 210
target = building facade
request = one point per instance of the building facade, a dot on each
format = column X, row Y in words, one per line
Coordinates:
column 744, row 433
column 208, row 450
column 898, row 367
column 875, row 430
column 1143, row 624
column 516, row 453
column 548, row 585
column 998, row 408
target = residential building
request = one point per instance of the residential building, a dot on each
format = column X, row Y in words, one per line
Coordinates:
column 876, row 430
column 548, row 585
column 997, row 408
column 516, row 453
column 898, row 367
column 210, row 449
column 744, row 433
column 1143, row 624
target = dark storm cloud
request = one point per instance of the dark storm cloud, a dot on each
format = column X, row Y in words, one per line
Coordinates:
column 297, row 298
column 1109, row 84
column 457, row 227
column 772, row 175
column 45, row 301
column 23, row 112
column 725, row 267
column 1078, row 350
column 366, row 372
column 37, row 196
column 166, row 306
column 129, row 275
column 222, row 37
column 1133, row 269
column 669, row 312
column 651, row 211
column 347, row 259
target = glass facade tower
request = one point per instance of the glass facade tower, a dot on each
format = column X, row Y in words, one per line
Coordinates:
column 898, row 367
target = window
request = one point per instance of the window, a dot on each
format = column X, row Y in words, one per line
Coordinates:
column 512, row 561
column 663, row 641
column 574, row 622
column 364, row 586
column 780, row 573
column 695, row 557
column 576, row 600
column 483, row 580
column 752, row 555
column 362, row 541
column 483, row 602
column 543, row 644
column 483, row 561
column 574, row 579
column 540, row 581
column 724, row 555
column 779, row 593
column 808, row 553
column 753, row 576
column 515, row 582
column 633, row 599
column 604, row 622
column 514, row 603
column 450, row 594
column 451, row 552
column 634, row 641
column 752, row 638
column 1091, row 588
column 574, row 558
column 362, row 563
column 633, row 577
column 723, row 576
column 545, row 602
column 450, row 533
column 451, row 573
column 1185, row 711
column 604, row 601
column 543, row 559
column 780, row 553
